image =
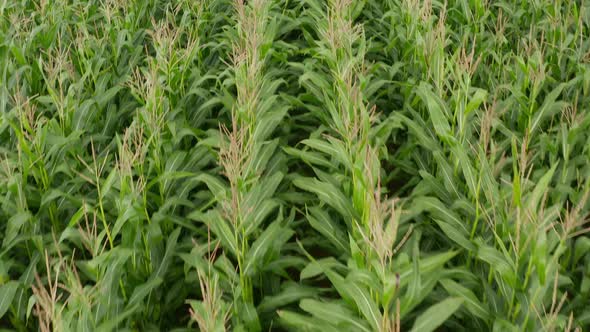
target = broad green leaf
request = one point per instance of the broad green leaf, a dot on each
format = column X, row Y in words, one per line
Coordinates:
column 292, row 292
column 76, row 217
column 328, row 194
column 220, row 227
column 446, row 172
column 249, row 316
column 7, row 292
column 128, row 214
column 108, row 183
column 303, row 323
column 333, row 313
column 471, row 302
column 217, row 187
column 254, row 219
column 106, row 96
column 315, row 268
column 263, row 190
column 332, row 148
column 581, row 248
column 311, row 157
column 433, row 186
column 263, row 243
column 476, row 99
column 113, row 323
column 321, row 221
column 141, row 291
column 436, row 315
column 438, row 112
column 465, row 162
column 426, row 139
column 13, row 226
column 454, row 234
column 427, row 265
column 171, row 243
column 438, row 209
column 540, row 255
column 497, row 261
column 174, row 163
column 549, row 105
column 540, row 189
column 366, row 305
column 264, row 152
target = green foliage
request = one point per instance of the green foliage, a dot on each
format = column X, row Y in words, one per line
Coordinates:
column 341, row 165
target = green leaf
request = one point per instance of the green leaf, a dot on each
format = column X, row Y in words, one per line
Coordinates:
column 7, row 292
column 438, row 209
column 141, row 291
column 128, row 214
column 263, row 190
column 333, row 313
column 168, row 254
column 303, row 323
column 502, row 325
column 429, row 264
column 476, row 99
column 445, row 170
column 540, row 189
column 437, row 109
column 455, row 235
column 264, row 152
column 112, row 324
column 467, row 167
column 310, row 157
column 14, row 225
column 327, row 193
column 472, row 304
column 415, row 283
column 291, row 292
column 426, row 139
column 268, row 123
column 249, row 316
column 549, row 105
column 254, row 220
column 76, row 217
column 108, row 183
column 365, row 304
column 255, row 256
column 321, row 222
column 446, row 219
column 497, row 261
column 317, row 267
column 540, row 256
column 581, row 248
column 217, row 187
column 220, row 227
column 436, row 315
column 106, row 96
column 333, row 148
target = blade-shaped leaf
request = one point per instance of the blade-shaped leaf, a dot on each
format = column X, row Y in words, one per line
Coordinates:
column 436, row 315
column 7, row 292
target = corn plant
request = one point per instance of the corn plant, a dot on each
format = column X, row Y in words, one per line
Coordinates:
column 339, row 165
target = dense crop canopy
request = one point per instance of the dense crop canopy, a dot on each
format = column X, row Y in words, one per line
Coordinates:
column 337, row 165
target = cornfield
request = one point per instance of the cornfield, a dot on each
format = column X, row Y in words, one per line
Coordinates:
column 258, row 165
